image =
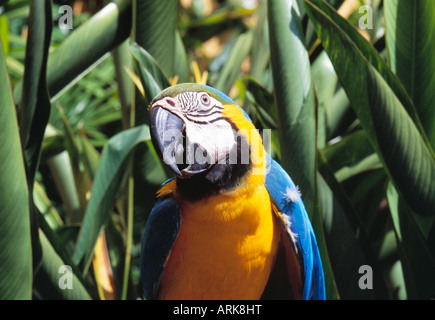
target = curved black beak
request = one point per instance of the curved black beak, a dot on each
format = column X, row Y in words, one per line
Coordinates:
column 167, row 135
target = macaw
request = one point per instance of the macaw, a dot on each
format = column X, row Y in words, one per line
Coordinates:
column 231, row 224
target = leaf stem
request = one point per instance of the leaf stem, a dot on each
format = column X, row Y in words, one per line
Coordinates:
column 129, row 236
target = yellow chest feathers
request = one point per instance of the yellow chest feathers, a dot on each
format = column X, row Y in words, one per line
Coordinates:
column 228, row 242
column 225, row 249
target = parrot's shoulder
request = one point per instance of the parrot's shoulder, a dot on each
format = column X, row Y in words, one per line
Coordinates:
column 167, row 188
column 161, row 231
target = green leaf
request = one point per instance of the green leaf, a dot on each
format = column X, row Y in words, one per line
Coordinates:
column 417, row 257
column 155, row 30
column 63, row 177
column 122, row 58
column 45, row 206
column 317, row 221
column 325, row 82
column 35, row 103
column 370, row 54
column 348, row 151
column 410, row 38
column 265, row 103
column 325, row 168
column 152, row 76
column 294, row 96
column 231, row 68
column 220, row 20
column 4, row 33
column 260, row 50
column 74, row 177
column 295, row 103
column 112, row 170
column 181, row 68
column 339, row 115
column 53, row 275
column 390, row 129
column 15, row 243
column 348, row 248
column 103, row 32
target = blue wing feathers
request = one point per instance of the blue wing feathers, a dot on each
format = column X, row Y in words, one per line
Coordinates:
column 277, row 184
column 161, row 231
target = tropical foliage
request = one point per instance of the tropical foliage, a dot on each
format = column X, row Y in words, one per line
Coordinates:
column 346, row 88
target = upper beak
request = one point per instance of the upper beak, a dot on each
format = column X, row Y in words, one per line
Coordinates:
column 167, row 131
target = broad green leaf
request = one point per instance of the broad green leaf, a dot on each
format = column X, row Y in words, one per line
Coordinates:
column 52, row 143
column 417, row 258
column 326, row 171
column 260, row 50
column 181, row 68
column 220, row 20
column 121, row 59
column 317, row 222
column 15, row 242
column 62, row 175
column 347, row 231
column 15, row 67
column 115, row 160
column 348, row 151
column 231, row 68
column 84, row 46
column 56, row 280
column 264, row 99
column 155, row 30
column 45, row 206
column 294, row 96
column 339, row 116
column 348, row 248
column 35, row 103
column 4, row 33
column 371, row 55
column 410, row 37
column 397, row 281
column 325, row 82
column 148, row 171
column 79, row 169
column 152, row 76
column 390, row 129
column 264, row 105
column 341, row 197
column 295, row 105
column 365, row 164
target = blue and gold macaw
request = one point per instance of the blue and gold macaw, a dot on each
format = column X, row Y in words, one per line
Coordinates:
column 231, row 224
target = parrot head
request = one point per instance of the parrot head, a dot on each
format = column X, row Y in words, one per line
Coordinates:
column 196, row 130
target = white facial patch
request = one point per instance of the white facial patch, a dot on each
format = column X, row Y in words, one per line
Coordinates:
column 217, row 139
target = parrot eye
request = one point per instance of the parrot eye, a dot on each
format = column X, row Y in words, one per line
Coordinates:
column 205, row 100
